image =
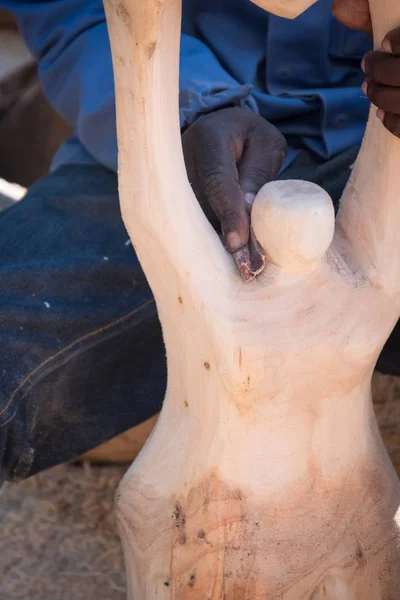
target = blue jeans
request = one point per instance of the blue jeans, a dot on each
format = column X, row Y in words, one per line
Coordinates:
column 82, row 357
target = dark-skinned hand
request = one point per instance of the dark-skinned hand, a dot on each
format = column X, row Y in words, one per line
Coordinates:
column 382, row 67
column 230, row 154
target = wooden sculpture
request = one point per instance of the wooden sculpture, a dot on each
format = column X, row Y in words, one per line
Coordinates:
column 265, row 476
column 285, row 8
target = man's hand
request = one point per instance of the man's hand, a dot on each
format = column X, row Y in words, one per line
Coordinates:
column 230, row 154
column 382, row 86
column 382, row 67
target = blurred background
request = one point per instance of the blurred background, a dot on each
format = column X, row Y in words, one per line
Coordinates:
column 30, row 130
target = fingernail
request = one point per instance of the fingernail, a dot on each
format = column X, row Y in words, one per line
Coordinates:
column 233, row 241
column 364, row 87
column 387, row 46
column 363, row 64
column 245, row 272
column 380, row 114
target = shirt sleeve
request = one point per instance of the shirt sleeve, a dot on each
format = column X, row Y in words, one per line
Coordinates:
column 204, row 84
column 69, row 39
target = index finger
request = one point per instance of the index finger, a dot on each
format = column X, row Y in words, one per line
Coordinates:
column 382, row 68
column 391, row 43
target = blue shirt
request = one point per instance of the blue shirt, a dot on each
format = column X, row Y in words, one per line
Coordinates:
column 303, row 75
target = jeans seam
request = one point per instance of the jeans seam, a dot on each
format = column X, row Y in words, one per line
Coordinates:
column 66, row 349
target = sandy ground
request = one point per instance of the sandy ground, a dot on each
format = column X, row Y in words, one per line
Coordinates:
column 58, row 539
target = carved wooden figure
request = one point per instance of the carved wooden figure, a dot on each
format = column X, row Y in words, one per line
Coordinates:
column 266, row 476
column 285, row 8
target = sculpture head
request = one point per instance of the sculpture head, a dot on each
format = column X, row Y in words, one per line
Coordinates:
column 294, row 221
column 290, row 9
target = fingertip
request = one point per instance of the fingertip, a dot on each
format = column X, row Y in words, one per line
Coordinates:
column 233, row 241
column 363, row 64
column 235, row 225
column 364, row 87
column 382, row 68
column 387, row 46
column 391, row 122
column 391, row 43
column 380, row 114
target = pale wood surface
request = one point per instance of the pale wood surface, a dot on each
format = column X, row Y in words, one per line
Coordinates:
column 285, row 8
column 275, row 483
column 30, row 130
column 386, row 398
column 58, row 526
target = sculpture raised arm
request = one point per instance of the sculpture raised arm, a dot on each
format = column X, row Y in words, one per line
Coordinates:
column 265, row 476
column 370, row 209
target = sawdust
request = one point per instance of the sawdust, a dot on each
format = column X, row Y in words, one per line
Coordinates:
column 58, row 537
